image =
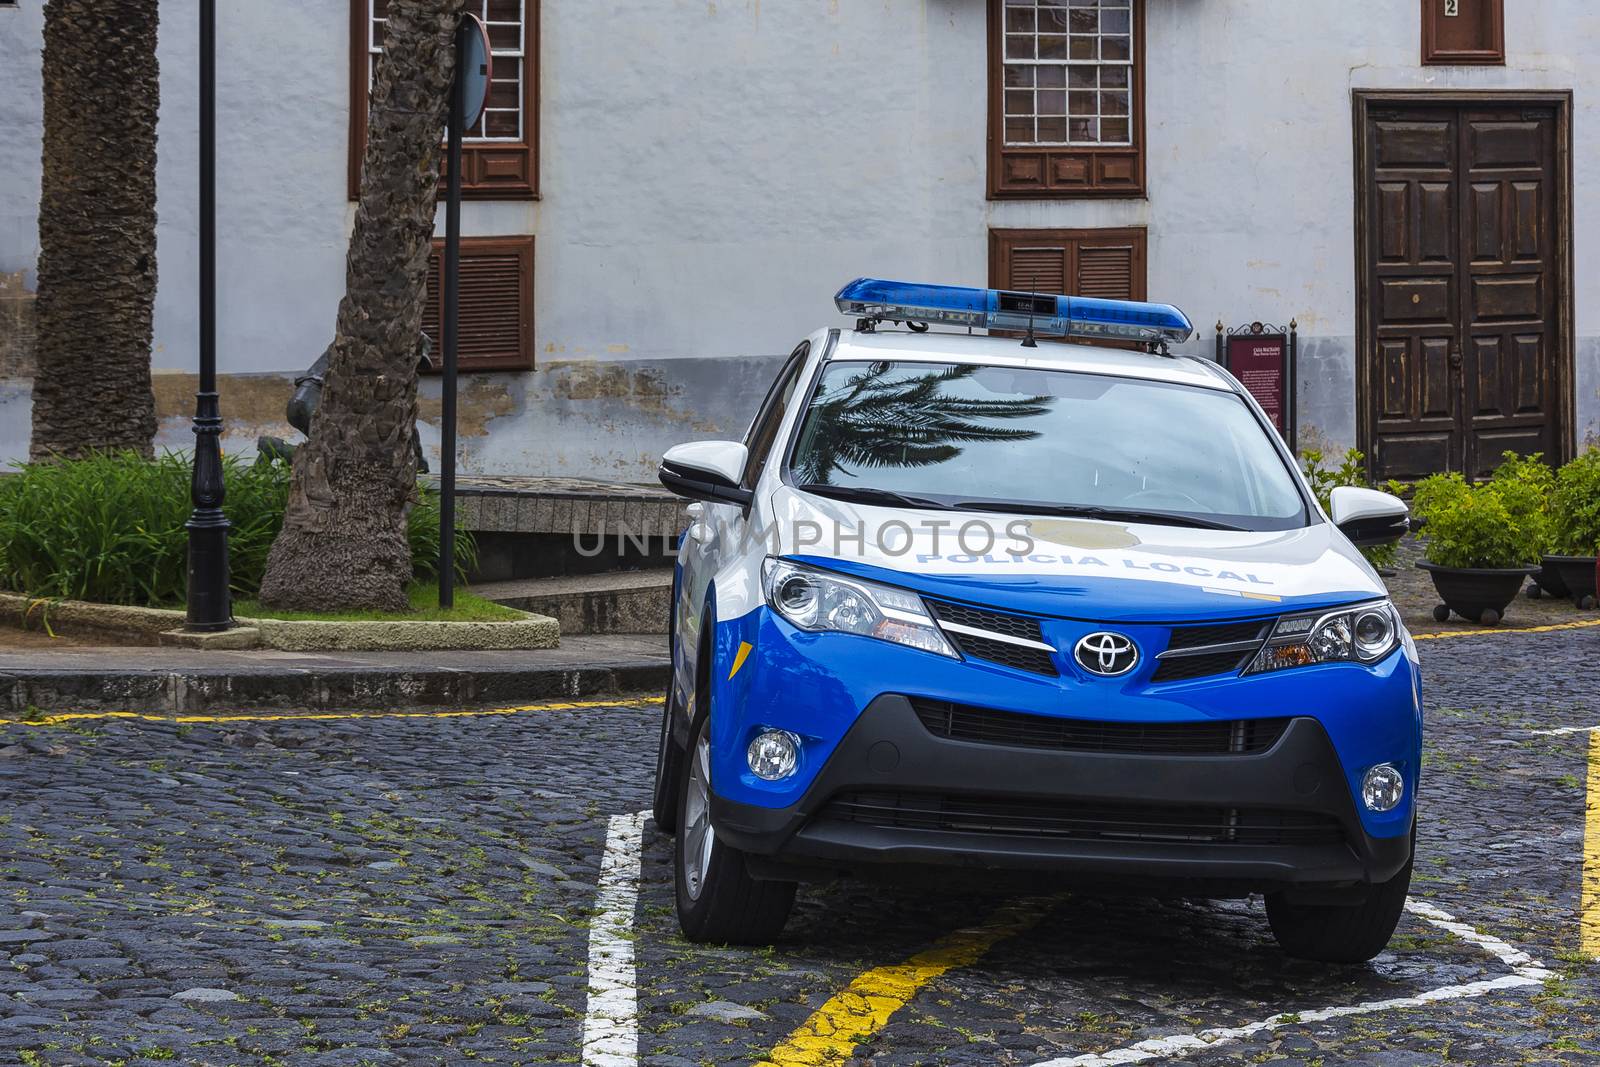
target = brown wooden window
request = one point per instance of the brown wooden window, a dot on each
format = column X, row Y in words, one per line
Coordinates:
column 1463, row 31
column 500, row 156
column 496, row 303
column 1107, row 263
column 1066, row 98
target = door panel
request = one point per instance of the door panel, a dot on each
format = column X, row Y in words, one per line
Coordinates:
column 1462, row 286
column 1412, row 282
column 1510, row 279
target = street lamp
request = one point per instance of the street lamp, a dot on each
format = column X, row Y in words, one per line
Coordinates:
column 210, row 606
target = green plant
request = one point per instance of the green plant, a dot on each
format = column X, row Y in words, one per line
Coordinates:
column 1575, row 506
column 110, row 527
column 1473, row 527
column 1351, row 471
column 1526, row 485
column 1435, row 492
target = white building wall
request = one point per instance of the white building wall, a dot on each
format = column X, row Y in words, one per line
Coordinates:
column 712, row 170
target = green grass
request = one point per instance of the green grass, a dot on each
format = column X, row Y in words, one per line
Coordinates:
column 110, row 528
column 424, row 608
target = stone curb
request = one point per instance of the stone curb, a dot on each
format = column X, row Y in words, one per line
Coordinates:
column 125, row 624
column 322, row 688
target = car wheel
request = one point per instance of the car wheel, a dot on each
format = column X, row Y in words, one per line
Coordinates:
column 718, row 901
column 1331, row 933
column 669, row 768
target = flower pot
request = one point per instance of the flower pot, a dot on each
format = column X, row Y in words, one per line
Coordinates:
column 1578, row 574
column 1547, row 580
column 1477, row 594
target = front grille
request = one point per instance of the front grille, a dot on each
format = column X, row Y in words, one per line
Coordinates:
column 1032, row 660
column 1179, row 669
column 1184, row 637
column 993, row 621
column 961, row 722
column 1056, row 819
column 1203, row 664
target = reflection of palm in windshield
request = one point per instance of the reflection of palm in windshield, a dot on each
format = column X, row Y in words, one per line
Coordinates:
column 965, row 435
column 881, row 416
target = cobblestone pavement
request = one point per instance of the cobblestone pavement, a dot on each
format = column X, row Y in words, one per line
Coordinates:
column 420, row 891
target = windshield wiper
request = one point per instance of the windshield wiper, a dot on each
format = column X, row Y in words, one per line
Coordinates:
column 865, row 494
column 1090, row 511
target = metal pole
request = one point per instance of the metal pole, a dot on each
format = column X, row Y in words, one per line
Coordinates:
column 210, row 605
column 452, row 310
column 1294, row 387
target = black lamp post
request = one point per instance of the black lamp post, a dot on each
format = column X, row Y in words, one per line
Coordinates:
column 210, row 606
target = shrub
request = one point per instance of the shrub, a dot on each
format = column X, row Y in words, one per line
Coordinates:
column 1575, row 506
column 1351, row 471
column 1435, row 492
column 1471, row 526
column 110, row 528
column 1526, row 486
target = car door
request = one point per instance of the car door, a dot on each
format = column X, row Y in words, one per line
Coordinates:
column 717, row 531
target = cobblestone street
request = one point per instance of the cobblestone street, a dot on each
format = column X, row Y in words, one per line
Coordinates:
column 422, row 890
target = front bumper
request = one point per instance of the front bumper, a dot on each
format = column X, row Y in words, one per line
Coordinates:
column 892, row 792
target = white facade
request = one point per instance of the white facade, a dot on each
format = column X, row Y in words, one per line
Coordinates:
column 713, row 170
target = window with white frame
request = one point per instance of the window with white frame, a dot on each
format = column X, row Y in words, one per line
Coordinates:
column 1066, row 116
column 506, row 20
column 500, row 161
column 1069, row 72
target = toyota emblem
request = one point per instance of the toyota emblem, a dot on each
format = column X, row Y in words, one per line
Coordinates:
column 1106, row 654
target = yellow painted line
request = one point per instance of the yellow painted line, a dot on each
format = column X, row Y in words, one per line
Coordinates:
column 324, row 716
column 739, row 658
column 1589, row 901
column 833, row 1031
column 1490, row 631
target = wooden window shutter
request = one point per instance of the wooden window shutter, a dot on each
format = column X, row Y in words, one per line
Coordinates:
column 1463, row 32
column 496, row 303
column 1106, row 263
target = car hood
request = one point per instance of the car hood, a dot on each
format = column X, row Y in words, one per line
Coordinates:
column 1076, row 568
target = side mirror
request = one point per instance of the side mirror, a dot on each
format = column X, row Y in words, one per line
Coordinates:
column 1369, row 517
column 707, row 470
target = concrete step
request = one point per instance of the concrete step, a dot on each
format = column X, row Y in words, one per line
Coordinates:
column 615, row 602
column 534, row 527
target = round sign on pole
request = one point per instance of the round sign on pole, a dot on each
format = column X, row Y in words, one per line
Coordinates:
column 476, row 68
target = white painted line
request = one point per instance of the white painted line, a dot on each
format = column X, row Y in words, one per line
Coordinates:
column 1525, row 971
column 611, row 1021
column 1562, row 731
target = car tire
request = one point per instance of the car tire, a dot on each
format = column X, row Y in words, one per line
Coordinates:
column 1329, row 933
column 669, row 769
column 717, row 899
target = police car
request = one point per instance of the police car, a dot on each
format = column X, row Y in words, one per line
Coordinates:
column 973, row 603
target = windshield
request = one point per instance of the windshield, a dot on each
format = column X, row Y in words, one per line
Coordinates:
column 1051, row 442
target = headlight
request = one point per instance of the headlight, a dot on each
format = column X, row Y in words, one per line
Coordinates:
column 1362, row 634
column 820, row 601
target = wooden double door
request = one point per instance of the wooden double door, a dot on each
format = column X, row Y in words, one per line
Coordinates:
column 1461, row 220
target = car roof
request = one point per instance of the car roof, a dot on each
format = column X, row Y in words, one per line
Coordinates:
column 1008, row 352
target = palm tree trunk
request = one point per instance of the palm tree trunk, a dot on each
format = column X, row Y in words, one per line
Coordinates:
column 343, row 543
column 97, row 229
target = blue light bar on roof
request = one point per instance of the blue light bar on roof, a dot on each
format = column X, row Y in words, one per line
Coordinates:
column 996, row 309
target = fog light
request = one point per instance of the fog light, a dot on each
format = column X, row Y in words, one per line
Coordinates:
column 1382, row 788
column 772, row 754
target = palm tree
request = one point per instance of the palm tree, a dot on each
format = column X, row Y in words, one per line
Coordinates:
column 880, row 420
column 97, row 229
column 343, row 543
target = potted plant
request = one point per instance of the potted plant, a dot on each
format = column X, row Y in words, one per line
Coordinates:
column 1527, row 485
column 1478, row 550
column 1575, row 511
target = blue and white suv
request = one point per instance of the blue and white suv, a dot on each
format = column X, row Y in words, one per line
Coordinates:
column 972, row 602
